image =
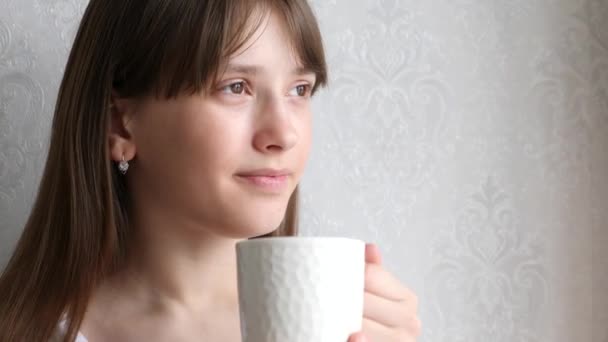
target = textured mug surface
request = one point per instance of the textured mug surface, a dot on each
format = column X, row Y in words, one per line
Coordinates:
column 300, row 289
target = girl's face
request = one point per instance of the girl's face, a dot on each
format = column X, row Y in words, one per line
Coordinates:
column 227, row 160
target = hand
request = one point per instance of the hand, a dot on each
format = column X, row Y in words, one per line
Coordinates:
column 390, row 310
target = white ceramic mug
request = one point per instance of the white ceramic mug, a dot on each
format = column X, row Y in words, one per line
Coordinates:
column 300, row 289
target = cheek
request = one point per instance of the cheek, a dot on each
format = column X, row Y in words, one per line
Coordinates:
column 305, row 136
column 156, row 137
column 187, row 144
column 213, row 147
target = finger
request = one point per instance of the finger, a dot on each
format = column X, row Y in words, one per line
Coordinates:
column 386, row 312
column 384, row 284
column 358, row 337
column 372, row 254
column 375, row 330
column 378, row 332
column 415, row 326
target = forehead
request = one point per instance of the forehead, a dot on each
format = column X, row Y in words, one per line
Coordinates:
column 268, row 44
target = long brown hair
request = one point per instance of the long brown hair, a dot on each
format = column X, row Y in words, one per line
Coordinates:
column 78, row 230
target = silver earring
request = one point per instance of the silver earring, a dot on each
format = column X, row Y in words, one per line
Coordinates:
column 123, row 166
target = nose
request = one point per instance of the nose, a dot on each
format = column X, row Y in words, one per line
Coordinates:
column 275, row 131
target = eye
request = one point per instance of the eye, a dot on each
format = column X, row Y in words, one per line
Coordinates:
column 236, row 88
column 301, row 90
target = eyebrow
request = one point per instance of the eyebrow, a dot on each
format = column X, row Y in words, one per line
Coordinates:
column 254, row 69
column 243, row 69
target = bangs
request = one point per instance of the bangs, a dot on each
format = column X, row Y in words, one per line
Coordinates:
column 187, row 44
column 304, row 37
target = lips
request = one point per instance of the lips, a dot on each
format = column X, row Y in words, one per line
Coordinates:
column 267, row 180
column 265, row 173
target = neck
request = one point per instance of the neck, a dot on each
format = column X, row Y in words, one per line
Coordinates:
column 182, row 266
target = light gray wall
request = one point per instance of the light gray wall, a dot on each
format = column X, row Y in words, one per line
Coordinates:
column 468, row 138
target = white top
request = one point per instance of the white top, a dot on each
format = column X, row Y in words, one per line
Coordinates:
column 61, row 333
column 81, row 338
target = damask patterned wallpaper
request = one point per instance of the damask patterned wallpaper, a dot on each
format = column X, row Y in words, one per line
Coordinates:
column 468, row 138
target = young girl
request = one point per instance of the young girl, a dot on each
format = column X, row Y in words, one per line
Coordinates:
column 181, row 127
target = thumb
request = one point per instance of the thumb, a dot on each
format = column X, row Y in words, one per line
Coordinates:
column 358, row 337
column 372, row 254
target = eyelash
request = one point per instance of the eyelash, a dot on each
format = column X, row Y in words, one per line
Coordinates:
column 228, row 89
column 307, row 89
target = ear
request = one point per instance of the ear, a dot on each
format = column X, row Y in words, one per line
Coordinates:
column 120, row 135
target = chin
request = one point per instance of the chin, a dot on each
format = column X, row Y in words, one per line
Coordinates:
column 247, row 232
column 248, row 226
column 243, row 216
